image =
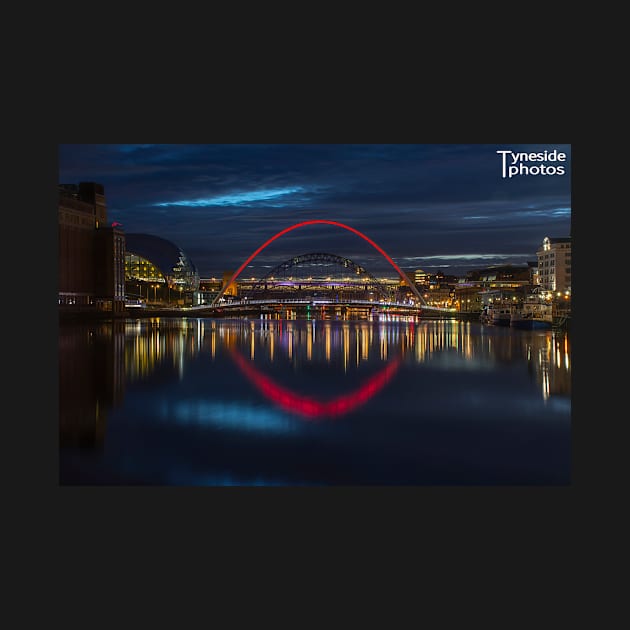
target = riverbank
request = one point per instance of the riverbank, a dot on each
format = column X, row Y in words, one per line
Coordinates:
column 150, row 313
column 560, row 323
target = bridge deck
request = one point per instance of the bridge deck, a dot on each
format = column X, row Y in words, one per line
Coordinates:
column 314, row 302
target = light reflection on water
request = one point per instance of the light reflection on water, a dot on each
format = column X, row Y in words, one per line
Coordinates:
column 295, row 402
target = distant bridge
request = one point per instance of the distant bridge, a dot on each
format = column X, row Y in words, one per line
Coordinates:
column 278, row 277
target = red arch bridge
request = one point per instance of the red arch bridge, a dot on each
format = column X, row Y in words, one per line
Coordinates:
column 277, row 288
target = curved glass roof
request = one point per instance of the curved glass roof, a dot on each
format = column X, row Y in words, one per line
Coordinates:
column 174, row 264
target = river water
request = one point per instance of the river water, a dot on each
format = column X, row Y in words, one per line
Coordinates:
column 215, row 402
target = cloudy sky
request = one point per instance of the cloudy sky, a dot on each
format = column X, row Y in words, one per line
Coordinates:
column 429, row 206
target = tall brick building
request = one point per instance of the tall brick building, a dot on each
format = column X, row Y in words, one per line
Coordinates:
column 91, row 253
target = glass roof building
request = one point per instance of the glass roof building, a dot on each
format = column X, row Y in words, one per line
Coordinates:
column 150, row 258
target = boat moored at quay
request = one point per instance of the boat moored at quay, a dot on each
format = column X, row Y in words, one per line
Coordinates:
column 496, row 314
column 532, row 314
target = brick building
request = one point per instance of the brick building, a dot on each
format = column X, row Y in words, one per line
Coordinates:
column 91, row 258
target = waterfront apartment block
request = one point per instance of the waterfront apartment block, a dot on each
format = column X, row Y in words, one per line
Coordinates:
column 554, row 265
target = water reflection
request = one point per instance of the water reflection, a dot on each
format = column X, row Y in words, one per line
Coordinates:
column 549, row 363
column 267, row 377
column 97, row 360
column 310, row 407
column 91, row 381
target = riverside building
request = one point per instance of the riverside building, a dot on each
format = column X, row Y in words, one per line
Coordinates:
column 158, row 271
column 554, row 265
column 91, row 253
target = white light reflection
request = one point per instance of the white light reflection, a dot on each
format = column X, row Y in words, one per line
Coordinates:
column 544, row 371
column 186, row 478
column 229, row 415
column 327, row 341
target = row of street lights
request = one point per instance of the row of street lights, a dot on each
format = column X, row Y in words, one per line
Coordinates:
column 155, row 287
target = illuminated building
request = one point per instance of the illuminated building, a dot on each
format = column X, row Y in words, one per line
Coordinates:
column 498, row 282
column 91, row 253
column 209, row 289
column 421, row 277
column 501, row 276
column 468, row 298
column 554, row 264
column 533, row 272
column 156, row 267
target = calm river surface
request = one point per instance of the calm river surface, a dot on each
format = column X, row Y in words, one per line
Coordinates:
column 213, row 402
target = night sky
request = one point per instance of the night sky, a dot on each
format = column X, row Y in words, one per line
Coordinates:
column 432, row 207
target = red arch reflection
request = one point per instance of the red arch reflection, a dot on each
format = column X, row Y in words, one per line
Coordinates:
column 309, row 407
column 412, row 286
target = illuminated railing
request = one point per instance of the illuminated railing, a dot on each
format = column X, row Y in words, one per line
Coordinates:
column 375, row 304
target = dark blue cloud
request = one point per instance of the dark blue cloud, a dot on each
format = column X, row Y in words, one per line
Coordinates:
column 427, row 205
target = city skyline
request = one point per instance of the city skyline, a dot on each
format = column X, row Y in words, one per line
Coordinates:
column 436, row 207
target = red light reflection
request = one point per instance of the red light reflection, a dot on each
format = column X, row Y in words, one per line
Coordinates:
column 309, row 407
